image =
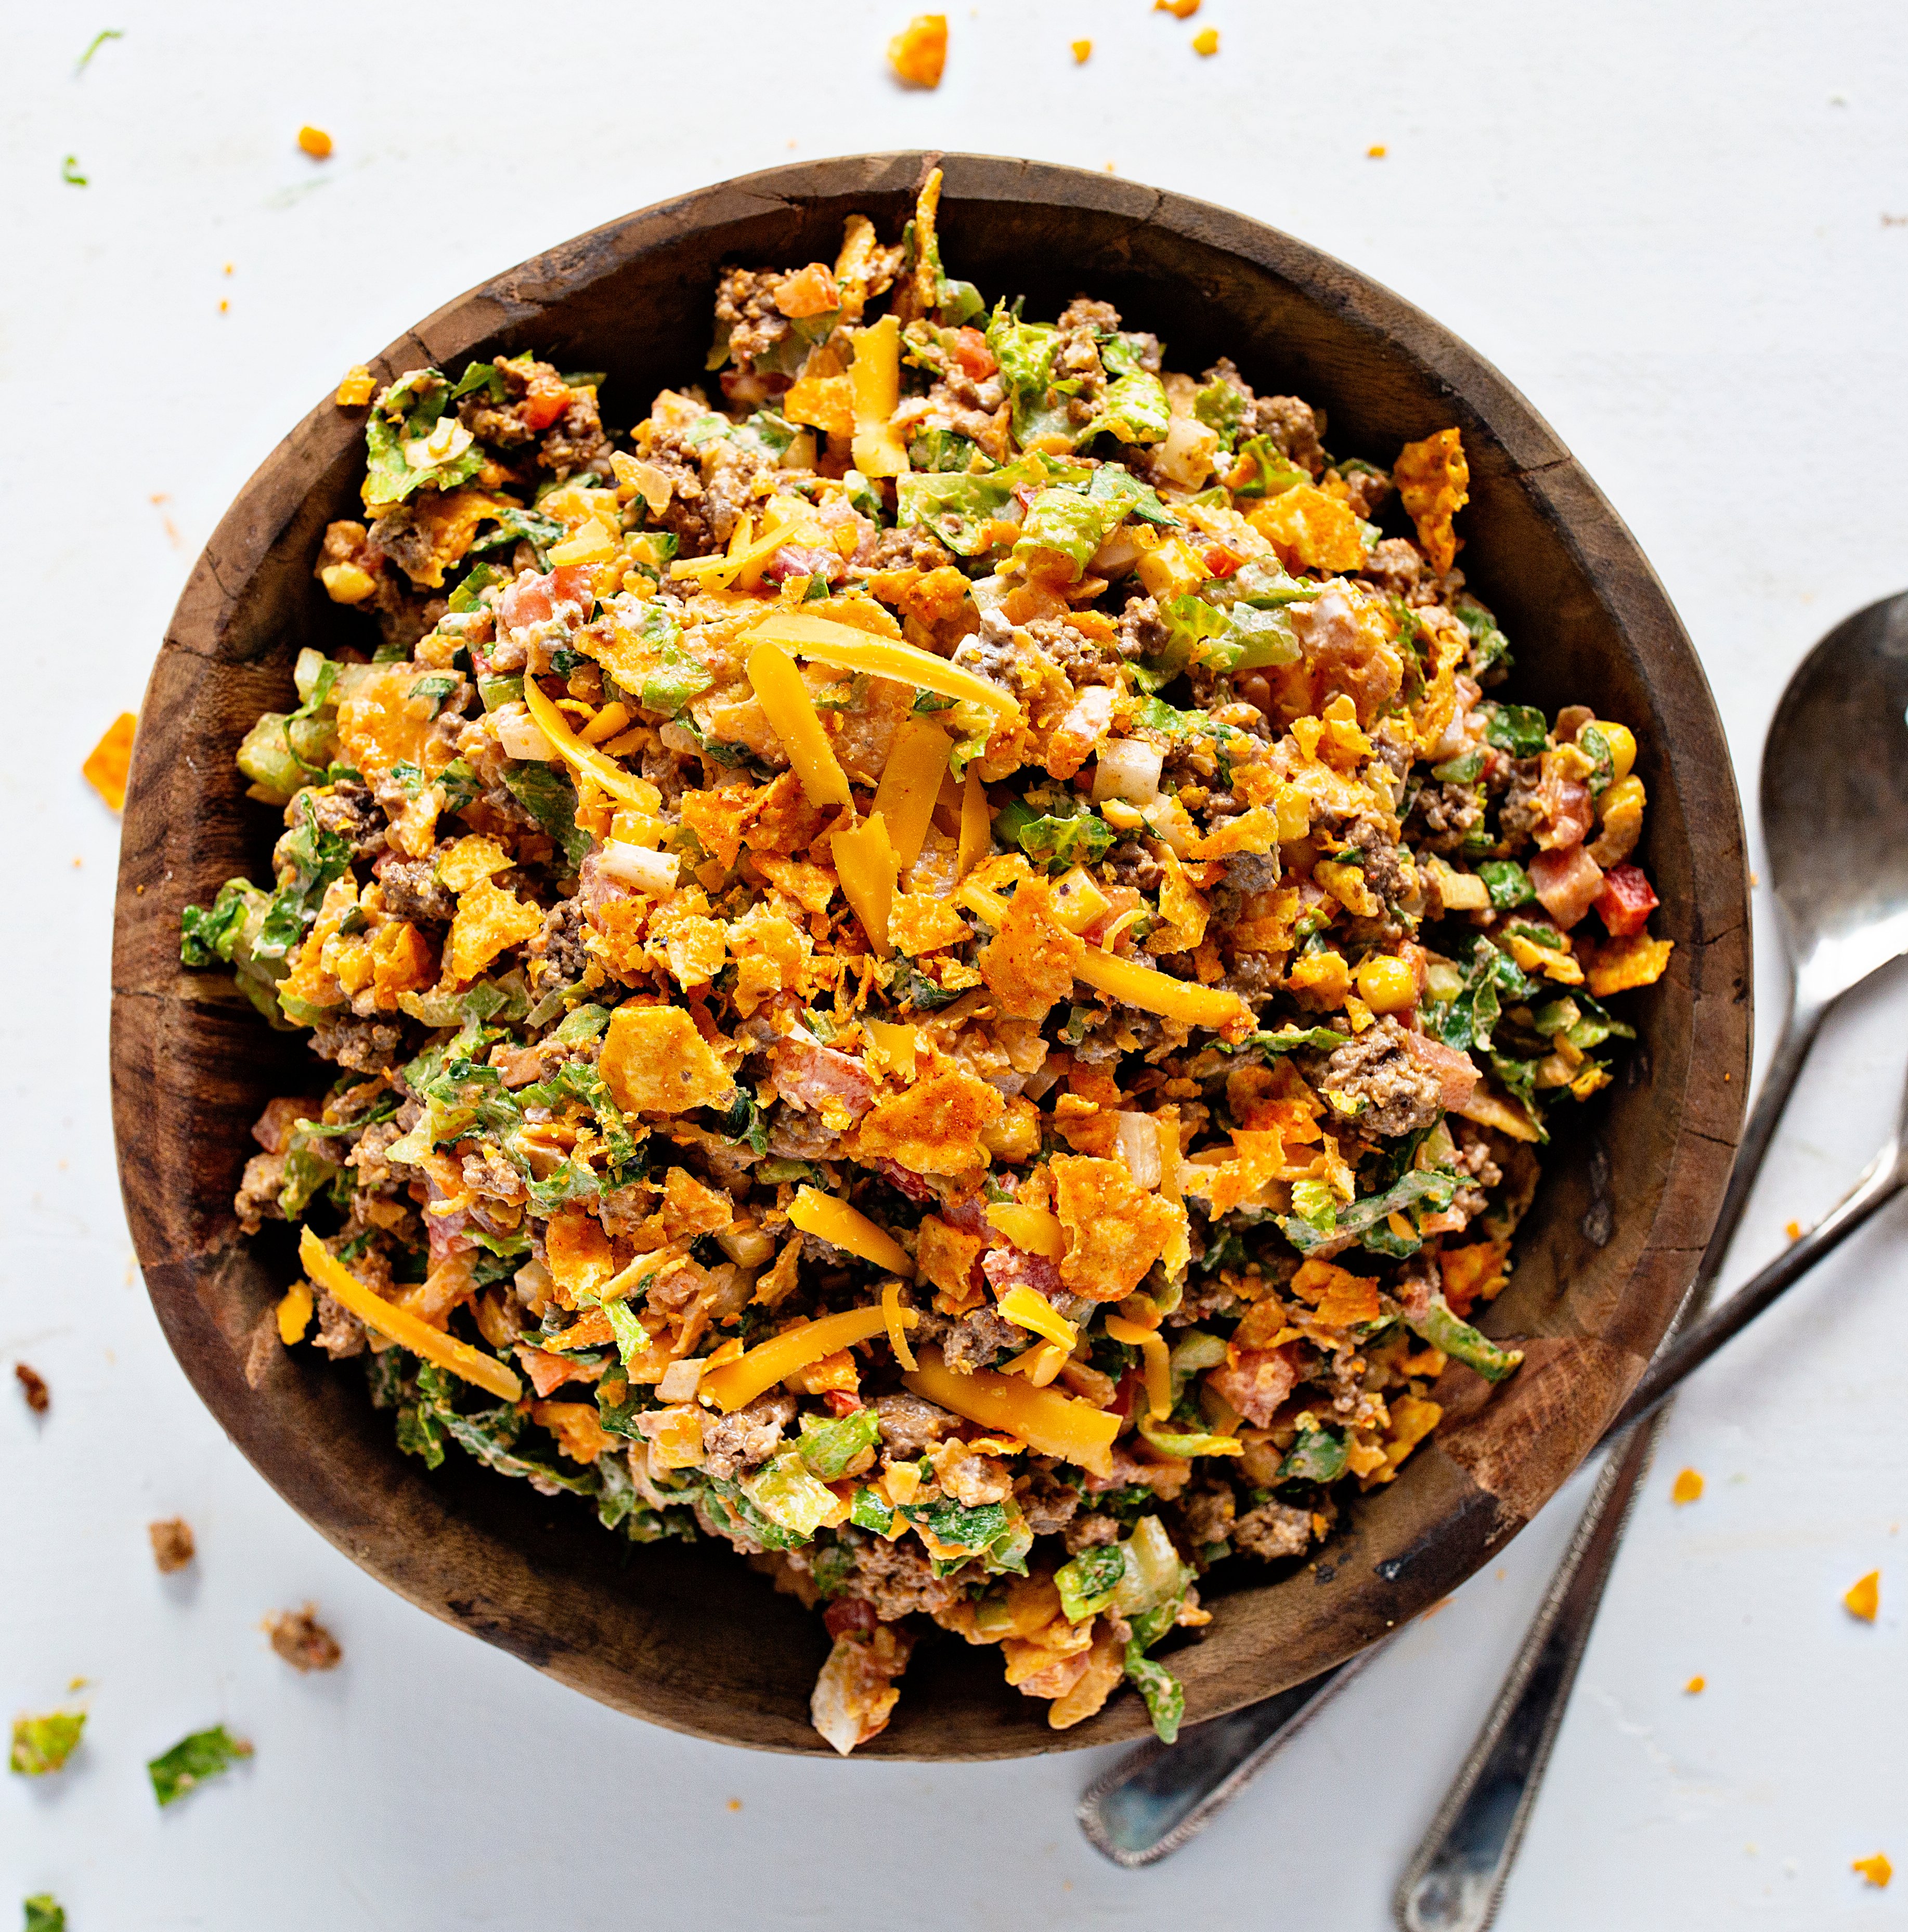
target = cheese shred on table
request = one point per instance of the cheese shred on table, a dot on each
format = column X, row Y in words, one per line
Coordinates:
column 946, row 963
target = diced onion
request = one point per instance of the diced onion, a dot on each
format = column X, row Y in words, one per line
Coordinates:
column 1186, row 457
column 1128, row 769
column 521, row 737
column 680, row 1380
column 1172, row 823
column 638, row 867
column 1139, row 1147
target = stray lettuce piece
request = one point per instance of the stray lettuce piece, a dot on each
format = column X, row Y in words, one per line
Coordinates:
column 1519, row 729
column 1314, row 1203
column 228, row 932
column 1110, row 483
column 1490, row 649
column 1435, row 1186
column 44, row 1912
column 1165, row 1695
column 192, row 1760
column 1443, row 1330
column 1288, row 1040
column 1508, row 883
column 1318, row 1455
column 783, row 1490
column 1063, row 523
column 550, row 799
column 956, row 507
column 1221, row 406
column 828, row 1447
column 729, row 1508
column 484, row 376
column 538, row 531
column 400, row 455
column 1087, row 1582
column 1245, row 636
column 632, row 1339
column 1267, row 470
column 44, row 1744
column 940, row 450
column 1025, row 351
column 307, row 859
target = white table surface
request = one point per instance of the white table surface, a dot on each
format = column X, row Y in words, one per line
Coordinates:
column 1682, row 232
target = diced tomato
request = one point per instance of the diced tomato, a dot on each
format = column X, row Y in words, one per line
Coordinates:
column 840, row 1403
column 1220, row 561
column 1565, row 883
column 968, row 347
column 543, row 401
column 534, row 600
column 847, row 1615
column 1132, row 1389
column 1626, row 901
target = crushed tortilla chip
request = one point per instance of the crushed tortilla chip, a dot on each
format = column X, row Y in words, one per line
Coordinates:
column 489, row 918
column 689, row 1208
column 1636, row 960
column 109, row 761
column 461, row 865
column 1434, row 484
column 1687, row 1487
column 1413, row 1418
column 1116, row 1228
column 1028, row 963
column 578, row 1254
column 1310, row 529
column 579, row 1435
column 357, row 388
column 1864, row 1599
column 919, row 53
column 933, row 1126
column 945, row 1254
column 921, row 922
column 1341, row 1297
column 1876, row 1870
column 653, row 1061
column 1474, row 1273
column 1258, row 1155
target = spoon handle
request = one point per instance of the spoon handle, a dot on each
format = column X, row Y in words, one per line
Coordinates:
column 1457, row 1875
column 1158, row 1797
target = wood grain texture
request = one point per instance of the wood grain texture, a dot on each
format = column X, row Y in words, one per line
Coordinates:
column 692, row 1637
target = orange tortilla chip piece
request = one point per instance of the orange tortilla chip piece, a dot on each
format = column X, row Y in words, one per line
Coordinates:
column 1258, row 1155
column 810, row 887
column 920, row 922
column 578, row 1254
column 771, row 956
column 689, row 1208
column 1472, row 1273
column 1619, row 964
column 945, row 1255
column 375, row 731
column 1309, row 529
column 1434, row 484
column 489, row 918
column 1116, row 1229
column 653, row 1061
column 1341, row 1297
column 109, row 761
column 579, row 1435
column 934, row 1126
column 1028, row 963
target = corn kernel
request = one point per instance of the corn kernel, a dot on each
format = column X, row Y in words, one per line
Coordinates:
column 1076, row 901
column 1206, row 43
column 1386, row 985
column 1174, row 569
column 1081, row 48
column 314, row 142
column 346, row 582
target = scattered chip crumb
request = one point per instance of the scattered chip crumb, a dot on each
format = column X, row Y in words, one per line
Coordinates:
column 1695, row 1686
column 1876, row 1870
column 316, row 143
column 1180, row 9
column 358, row 387
column 33, row 1386
column 1793, row 1229
column 303, row 1642
column 172, row 1546
column 1864, row 1599
column 1081, row 48
column 228, row 268
column 42, row 1745
column 109, row 761
column 1205, row 43
column 1375, row 152
column 79, row 1684
column 735, row 1804
column 919, row 51
column 1687, row 1487
column 225, row 307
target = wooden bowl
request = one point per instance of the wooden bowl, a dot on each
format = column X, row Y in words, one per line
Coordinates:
column 690, row 1636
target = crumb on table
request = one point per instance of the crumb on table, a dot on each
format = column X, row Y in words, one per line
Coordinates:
column 303, row 1642
column 172, row 1546
column 33, row 1388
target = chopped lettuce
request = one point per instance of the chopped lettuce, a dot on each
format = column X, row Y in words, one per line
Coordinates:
column 1519, row 729
column 1490, row 649
column 227, row 930
column 1365, row 1217
column 1058, row 841
column 44, row 1744
column 1165, row 1695
column 1086, row 1582
column 397, row 461
column 1443, row 1329
column 1223, row 407
column 1269, row 471
column 1135, row 408
column 1508, row 883
column 957, row 507
column 1065, row 524
column 538, row 531
column 44, row 1912
column 201, row 1755
column 1025, row 351
column 791, row 1498
column 1317, row 1456
column 828, row 1447
column 548, row 797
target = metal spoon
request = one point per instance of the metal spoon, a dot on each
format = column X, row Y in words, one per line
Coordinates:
column 1834, row 800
